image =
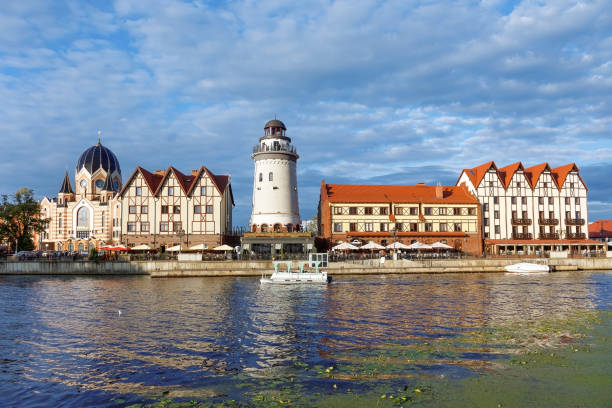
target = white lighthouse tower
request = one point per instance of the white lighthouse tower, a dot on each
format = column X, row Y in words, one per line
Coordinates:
column 275, row 195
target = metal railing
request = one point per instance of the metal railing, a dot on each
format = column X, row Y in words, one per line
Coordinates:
column 550, row 235
column 574, row 221
column 281, row 148
column 576, row 235
column 521, row 221
column 522, row 235
column 548, row 221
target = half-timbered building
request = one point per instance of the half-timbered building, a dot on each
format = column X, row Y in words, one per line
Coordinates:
column 530, row 209
column 167, row 208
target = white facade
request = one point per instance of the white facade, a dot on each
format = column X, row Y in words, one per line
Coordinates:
column 275, row 193
column 526, row 204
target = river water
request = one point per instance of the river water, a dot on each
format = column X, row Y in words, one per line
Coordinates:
column 418, row 340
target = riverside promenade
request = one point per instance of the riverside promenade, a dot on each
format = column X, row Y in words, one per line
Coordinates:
column 167, row 269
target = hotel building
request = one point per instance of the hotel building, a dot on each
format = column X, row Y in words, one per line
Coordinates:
column 81, row 219
column 385, row 214
column 525, row 210
column 166, row 208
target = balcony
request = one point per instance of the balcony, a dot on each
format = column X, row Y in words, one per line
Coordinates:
column 576, row 235
column 548, row 221
column 574, row 221
column 550, row 235
column 522, row 235
column 521, row 221
column 281, row 148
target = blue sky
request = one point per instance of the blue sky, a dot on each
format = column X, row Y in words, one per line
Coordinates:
column 390, row 92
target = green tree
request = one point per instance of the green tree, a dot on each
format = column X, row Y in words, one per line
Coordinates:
column 20, row 219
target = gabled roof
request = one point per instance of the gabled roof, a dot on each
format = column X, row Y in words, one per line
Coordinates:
column 348, row 193
column 533, row 173
column 506, row 173
column 66, row 187
column 477, row 173
column 560, row 173
column 187, row 182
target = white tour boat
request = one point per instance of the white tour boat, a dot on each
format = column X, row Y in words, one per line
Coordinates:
column 302, row 276
column 526, row 268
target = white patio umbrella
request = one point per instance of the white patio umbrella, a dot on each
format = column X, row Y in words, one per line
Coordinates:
column 419, row 245
column 175, row 248
column 141, row 247
column 344, row 246
column 441, row 245
column 199, row 247
column 372, row 245
column 397, row 245
column 223, row 247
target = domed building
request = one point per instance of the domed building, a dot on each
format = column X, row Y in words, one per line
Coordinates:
column 87, row 216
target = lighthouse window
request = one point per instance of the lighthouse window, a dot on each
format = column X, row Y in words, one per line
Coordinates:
column 270, row 177
column 260, row 176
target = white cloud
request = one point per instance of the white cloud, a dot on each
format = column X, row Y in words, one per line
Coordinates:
column 366, row 88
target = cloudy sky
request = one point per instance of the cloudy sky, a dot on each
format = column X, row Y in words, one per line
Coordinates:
column 390, row 92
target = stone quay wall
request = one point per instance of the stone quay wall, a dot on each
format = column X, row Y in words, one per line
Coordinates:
column 163, row 269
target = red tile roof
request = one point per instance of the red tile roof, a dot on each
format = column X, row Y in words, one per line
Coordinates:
column 600, row 229
column 533, row 173
column 348, row 193
column 477, row 173
column 559, row 174
column 506, row 173
column 187, row 182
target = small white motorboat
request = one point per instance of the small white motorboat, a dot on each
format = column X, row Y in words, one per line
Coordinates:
column 302, row 276
column 526, row 268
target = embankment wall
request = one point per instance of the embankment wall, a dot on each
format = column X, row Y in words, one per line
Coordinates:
column 161, row 269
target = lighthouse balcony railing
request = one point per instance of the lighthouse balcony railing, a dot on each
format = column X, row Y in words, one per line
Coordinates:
column 264, row 148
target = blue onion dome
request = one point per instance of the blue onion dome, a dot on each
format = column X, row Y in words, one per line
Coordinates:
column 98, row 157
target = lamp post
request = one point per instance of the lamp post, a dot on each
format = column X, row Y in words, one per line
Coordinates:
column 180, row 236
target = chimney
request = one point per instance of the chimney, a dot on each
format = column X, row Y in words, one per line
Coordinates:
column 439, row 193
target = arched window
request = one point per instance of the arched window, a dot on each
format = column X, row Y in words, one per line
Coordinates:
column 277, row 227
column 289, row 227
column 83, row 217
column 91, row 246
column 271, row 177
column 264, row 227
column 71, row 247
column 59, row 246
column 260, row 176
column 81, row 247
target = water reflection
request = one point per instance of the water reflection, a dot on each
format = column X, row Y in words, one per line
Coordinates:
column 64, row 336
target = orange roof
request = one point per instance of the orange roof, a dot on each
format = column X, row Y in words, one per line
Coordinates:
column 477, row 173
column 349, row 193
column 533, row 173
column 600, row 229
column 506, row 173
column 187, row 182
column 559, row 174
